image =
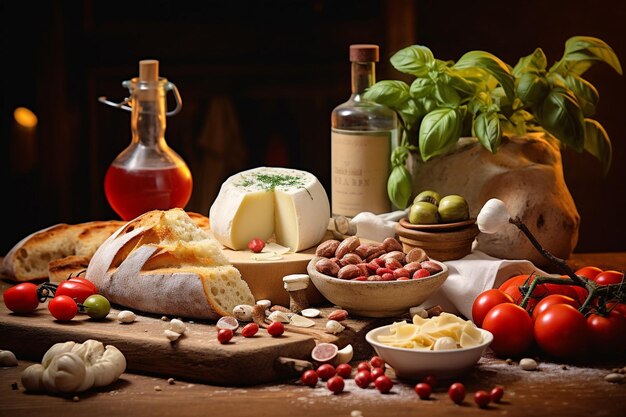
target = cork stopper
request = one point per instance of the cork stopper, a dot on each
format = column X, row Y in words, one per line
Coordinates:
column 149, row 70
column 363, row 53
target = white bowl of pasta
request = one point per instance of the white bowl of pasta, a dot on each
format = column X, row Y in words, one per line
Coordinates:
column 424, row 347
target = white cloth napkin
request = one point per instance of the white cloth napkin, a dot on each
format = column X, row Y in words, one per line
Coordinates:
column 467, row 277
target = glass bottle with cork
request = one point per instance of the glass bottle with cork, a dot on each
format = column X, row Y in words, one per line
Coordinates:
column 148, row 174
column 362, row 136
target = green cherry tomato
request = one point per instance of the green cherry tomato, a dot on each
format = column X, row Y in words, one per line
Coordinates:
column 97, row 306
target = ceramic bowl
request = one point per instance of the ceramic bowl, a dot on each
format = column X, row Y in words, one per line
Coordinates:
column 415, row 364
column 445, row 242
column 376, row 298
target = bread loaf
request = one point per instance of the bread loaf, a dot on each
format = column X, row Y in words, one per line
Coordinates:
column 163, row 263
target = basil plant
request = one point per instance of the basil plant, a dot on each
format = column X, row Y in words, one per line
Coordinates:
column 480, row 95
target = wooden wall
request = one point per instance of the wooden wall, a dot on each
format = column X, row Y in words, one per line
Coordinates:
column 258, row 81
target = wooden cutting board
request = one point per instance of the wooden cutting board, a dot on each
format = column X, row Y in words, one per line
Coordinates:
column 197, row 356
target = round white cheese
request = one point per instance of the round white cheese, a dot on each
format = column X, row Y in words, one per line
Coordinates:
column 289, row 204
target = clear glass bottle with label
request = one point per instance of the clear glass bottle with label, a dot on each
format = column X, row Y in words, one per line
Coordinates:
column 362, row 137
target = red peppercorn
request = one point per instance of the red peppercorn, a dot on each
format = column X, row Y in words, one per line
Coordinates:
column 376, row 372
column 457, row 392
column 256, row 245
column 276, row 329
column 482, row 398
column 496, row 394
column 309, row 378
column 423, row 390
column 326, row 371
column 363, row 379
column 363, row 366
column 344, row 370
column 383, row 383
column 224, row 335
column 377, row 362
column 335, row 384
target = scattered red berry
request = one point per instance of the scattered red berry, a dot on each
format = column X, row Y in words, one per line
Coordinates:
column 423, row 390
column 457, row 392
column 256, row 245
column 376, row 372
column 430, row 380
column 421, row 273
column 309, row 378
column 344, row 370
column 383, row 384
column 326, row 371
column 496, row 394
column 377, row 362
column 482, row 398
column 249, row 330
column 276, row 329
column 335, row 384
column 363, row 366
column 224, row 335
column 363, row 379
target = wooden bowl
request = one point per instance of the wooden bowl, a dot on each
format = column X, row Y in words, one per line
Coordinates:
column 444, row 242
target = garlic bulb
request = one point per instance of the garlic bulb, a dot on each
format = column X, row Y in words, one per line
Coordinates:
column 493, row 216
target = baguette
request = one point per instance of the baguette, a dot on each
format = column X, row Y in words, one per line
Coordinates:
column 163, row 263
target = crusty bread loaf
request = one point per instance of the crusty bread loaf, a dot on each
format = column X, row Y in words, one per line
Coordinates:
column 64, row 268
column 163, row 263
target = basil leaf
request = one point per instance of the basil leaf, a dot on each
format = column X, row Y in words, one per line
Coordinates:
column 536, row 61
column 486, row 128
column 428, row 104
column 391, row 93
column 446, row 95
column 560, row 115
column 414, row 60
column 581, row 49
column 598, row 144
column 461, row 84
column 439, row 131
column 586, row 94
column 399, row 186
column 493, row 66
column 532, row 88
column 421, row 87
column 410, row 112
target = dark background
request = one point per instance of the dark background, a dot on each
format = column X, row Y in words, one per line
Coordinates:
column 258, row 80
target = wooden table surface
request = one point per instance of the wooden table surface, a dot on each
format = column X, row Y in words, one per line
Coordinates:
column 552, row 390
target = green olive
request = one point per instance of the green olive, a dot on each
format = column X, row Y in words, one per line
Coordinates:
column 453, row 208
column 428, row 196
column 423, row 213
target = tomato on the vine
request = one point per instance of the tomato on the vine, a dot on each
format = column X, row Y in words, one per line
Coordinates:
column 485, row 301
column 609, row 277
column 22, row 298
column 607, row 334
column 63, row 308
column 589, row 272
column 76, row 289
column 97, row 306
column 551, row 300
column 561, row 331
column 86, row 282
column 513, row 284
column 512, row 329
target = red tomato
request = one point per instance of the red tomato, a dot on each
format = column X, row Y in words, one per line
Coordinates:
column 607, row 334
column 485, row 301
column 86, row 282
column 457, row 392
column 617, row 307
column 561, row 331
column 511, row 287
column 589, row 272
column 22, row 298
column 62, row 308
column 551, row 300
column 581, row 293
column 75, row 289
column 609, row 277
column 512, row 329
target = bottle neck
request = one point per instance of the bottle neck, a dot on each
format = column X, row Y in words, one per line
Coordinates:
column 148, row 117
column 363, row 76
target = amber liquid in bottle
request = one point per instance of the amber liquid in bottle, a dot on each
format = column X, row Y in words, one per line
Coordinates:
column 148, row 174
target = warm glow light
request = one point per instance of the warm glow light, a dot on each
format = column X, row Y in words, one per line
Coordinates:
column 25, row 117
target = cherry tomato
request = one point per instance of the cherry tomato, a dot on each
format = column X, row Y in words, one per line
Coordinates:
column 224, row 335
column 609, row 277
column 344, row 370
column 551, row 300
column 482, row 398
column 63, row 308
column 97, row 306
column 589, row 272
column 326, row 371
column 561, row 331
column 457, row 392
column 363, row 379
column 430, row 380
column 383, row 384
column 335, row 384
column 377, row 362
column 22, row 298
column 276, row 329
column 376, row 372
column 364, row 366
column 512, row 329
column 86, row 282
column 617, row 307
column 75, row 289
column 250, row 330
column 423, row 390
column 511, row 287
column 496, row 394
column 607, row 334
column 485, row 301
column 309, row 378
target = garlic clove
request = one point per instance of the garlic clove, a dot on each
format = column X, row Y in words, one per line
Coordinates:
column 279, row 316
column 177, row 326
column 311, row 312
column 171, row 335
column 344, row 355
column 243, row 312
column 334, row 327
column 299, row 321
column 126, row 316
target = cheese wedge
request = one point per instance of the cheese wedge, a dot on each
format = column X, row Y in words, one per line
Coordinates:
column 288, row 204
